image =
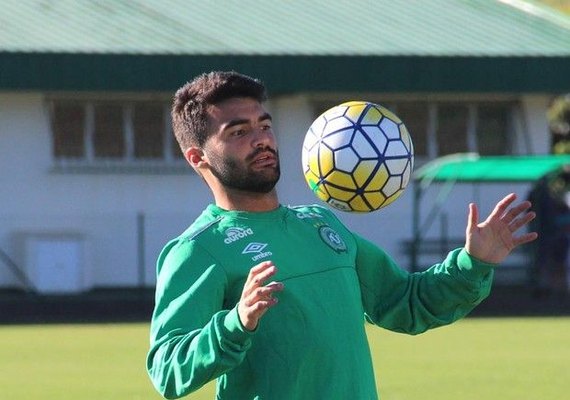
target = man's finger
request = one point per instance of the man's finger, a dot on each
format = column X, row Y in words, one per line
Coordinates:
column 527, row 237
column 266, row 291
column 259, row 267
column 262, row 306
column 473, row 218
column 275, row 286
column 258, row 275
column 259, row 278
column 502, row 205
column 520, row 222
column 516, row 211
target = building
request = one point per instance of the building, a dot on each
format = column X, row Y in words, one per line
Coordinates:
column 92, row 184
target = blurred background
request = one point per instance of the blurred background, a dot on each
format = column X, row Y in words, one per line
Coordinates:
column 92, row 183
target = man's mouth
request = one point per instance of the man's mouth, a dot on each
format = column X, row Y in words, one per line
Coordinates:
column 265, row 159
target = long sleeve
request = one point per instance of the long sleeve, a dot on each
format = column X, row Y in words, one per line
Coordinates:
column 193, row 339
column 415, row 302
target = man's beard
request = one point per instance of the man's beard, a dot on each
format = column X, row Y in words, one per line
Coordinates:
column 235, row 174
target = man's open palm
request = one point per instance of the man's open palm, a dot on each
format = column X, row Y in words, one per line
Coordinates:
column 493, row 240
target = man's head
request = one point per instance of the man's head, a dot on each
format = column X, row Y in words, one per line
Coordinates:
column 225, row 132
column 191, row 103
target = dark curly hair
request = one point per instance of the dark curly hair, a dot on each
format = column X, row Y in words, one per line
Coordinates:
column 191, row 102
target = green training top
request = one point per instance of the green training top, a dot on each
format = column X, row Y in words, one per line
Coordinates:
column 310, row 345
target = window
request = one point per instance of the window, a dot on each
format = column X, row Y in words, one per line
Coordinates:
column 148, row 118
column 108, row 132
column 451, row 130
column 492, row 123
column 442, row 127
column 114, row 136
column 68, row 122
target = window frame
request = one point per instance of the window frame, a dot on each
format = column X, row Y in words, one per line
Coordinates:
column 168, row 163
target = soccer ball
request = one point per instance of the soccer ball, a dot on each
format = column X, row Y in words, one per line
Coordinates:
column 358, row 157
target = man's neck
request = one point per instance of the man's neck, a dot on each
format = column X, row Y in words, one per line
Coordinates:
column 247, row 201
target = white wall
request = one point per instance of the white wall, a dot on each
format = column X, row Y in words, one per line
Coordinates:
column 102, row 209
column 536, row 123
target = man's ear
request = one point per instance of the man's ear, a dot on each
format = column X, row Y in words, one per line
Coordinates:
column 195, row 157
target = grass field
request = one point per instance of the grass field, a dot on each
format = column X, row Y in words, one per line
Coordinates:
column 473, row 359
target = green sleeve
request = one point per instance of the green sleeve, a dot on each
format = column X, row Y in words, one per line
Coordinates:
column 193, row 339
column 415, row 302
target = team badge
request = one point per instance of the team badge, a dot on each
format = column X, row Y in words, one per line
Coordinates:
column 332, row 238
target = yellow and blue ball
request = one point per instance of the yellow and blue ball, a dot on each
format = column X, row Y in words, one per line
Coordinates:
column 358, row 157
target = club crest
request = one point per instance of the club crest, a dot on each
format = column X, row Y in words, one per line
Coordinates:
column 332, row 239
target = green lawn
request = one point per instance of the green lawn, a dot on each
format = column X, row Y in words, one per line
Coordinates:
column 473, row 359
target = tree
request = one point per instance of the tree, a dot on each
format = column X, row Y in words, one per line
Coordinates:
column 559, row 124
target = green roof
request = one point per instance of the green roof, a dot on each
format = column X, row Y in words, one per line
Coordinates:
column 315, row 45
column 314, row 27
column 473, row 168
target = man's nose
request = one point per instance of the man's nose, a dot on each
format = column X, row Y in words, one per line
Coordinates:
column 263, row 137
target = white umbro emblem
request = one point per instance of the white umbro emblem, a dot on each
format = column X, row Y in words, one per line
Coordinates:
column 257, row 249
column 254, row 247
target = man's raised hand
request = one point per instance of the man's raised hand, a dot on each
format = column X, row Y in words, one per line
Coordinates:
column 257, row 297
column 493, row 240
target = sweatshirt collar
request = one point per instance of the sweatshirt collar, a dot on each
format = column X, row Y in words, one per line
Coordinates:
column 277, row 213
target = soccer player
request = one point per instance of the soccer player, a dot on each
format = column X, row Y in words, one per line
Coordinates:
column 272, row 300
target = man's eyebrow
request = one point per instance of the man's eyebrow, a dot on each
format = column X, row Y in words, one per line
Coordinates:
column 234, row 122
column 242, row 121
column 265, row 117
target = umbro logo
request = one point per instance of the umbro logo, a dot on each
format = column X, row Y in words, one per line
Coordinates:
column 235, row 234
column 254, row 247
column 257, row 249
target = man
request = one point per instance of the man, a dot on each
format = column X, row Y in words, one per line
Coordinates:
column 271, row 300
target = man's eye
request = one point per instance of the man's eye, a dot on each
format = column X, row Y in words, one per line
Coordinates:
column 239, row 132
